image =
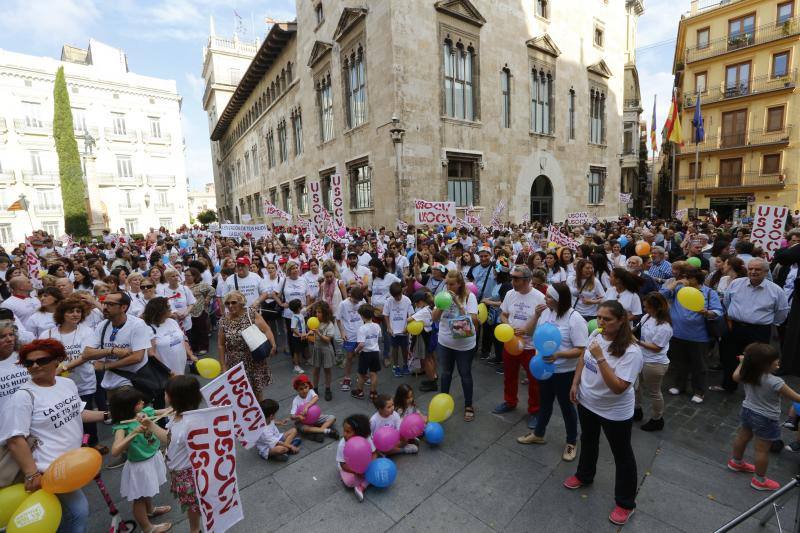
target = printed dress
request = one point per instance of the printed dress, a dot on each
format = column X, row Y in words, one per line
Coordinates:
column 236, row 351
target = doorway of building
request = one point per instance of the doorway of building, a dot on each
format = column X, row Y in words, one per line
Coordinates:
column 542, row 199
column 724, row 206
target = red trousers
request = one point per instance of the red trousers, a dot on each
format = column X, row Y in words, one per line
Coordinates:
column 511, row 364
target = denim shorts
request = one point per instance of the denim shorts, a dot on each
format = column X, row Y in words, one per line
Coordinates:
column 762, row 427
column 349, row 346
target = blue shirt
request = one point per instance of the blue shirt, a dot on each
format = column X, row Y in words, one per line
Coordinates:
column 690, row 325
column 661, row 271
column 764, row 304
column 479, row 274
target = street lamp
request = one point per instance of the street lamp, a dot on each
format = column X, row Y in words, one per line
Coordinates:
column 397, row 132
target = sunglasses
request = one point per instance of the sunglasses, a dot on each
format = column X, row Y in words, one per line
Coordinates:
column 147, row 286
column 42, row 361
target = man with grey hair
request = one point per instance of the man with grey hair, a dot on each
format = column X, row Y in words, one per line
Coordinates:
column 754, row 304
column 21, row 303
column 661, row 269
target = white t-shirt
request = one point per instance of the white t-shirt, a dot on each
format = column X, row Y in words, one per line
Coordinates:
column 578, row 296
column 658, row 334
column 364, row 258
column 446, row 338
column 135, row 335
column 297, row 401
column 424, row 315
column 177, row 457
column 340, row 451
column 594, row 394
column 269, row 437
column 22, row 308
column 359, row 276
column 137, row 303
column 380, row 289
column 398, row 313
column 294, row 289
column 74, row 344
column 347, row 314
column 180, row 299
column 377, row 421
column 520, row 308
column 12, row 377
column 251, row 286
column 40, row 322
column 557, row 277
column 170, row 347
column 51, row 414
column 312, row 281
column 369, row 334
column 573, row 331
column 630, row 301
column 272, row 285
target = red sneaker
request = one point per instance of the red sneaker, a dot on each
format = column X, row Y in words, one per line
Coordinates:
column 572, row 483
column 741, row 467
column 620, row 516
column 767, row 484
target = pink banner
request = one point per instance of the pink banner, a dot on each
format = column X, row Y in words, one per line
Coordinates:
column 337, row 201
column 768, row 224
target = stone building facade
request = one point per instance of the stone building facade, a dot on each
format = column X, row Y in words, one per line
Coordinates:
column 478, row 102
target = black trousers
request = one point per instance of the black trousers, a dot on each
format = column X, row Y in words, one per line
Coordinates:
column 488, row 341
column 618, row 434
column 733, row 344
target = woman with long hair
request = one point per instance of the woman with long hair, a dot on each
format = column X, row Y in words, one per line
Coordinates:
column 42, row 320
column 731, row 269
column 586, row 290
column 655, row 332
column 602, row 389
column 169, row 344
column 555, row 272
column 601, row 269
column 83, row 280
column 566, row 260
column 332, row 289
column 625, row 289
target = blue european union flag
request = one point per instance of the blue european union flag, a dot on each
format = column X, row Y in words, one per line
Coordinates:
column 697, row 122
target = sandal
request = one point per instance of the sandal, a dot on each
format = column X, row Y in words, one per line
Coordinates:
column 159, row 528
column 160, row 510
column 469, row 414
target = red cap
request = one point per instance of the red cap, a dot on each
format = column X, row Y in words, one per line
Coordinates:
column 243, row 261
column 283, row 260
column 304, row 266
column 302, row 378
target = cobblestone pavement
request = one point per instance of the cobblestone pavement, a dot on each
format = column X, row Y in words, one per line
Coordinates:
column 480, row 479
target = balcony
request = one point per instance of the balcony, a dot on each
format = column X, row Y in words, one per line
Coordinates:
column 754, row 86
column 164, row 208
column 633, row 104
column 31, row 126
column 148, row 138
column 112, row 180
column 48, row 210
column 752, row 179
column 40, row 178
column 629, row 159
column 120, row 135
column 156, row 180
column 130, row 209
column 772, row 31
column 8, row 178
column 751, row 139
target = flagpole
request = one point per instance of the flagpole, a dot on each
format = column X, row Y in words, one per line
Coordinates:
column 672, row 199
column 696, row 159
column 653, row 168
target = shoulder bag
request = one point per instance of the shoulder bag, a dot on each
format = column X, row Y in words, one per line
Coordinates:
column 271, row 310
column 716, row 327
column 257, row 342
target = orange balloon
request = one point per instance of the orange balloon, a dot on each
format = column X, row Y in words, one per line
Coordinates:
column 514, row 346
column 642, row 248
column 72, row 470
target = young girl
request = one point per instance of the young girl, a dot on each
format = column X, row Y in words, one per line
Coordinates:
column 353, row 426
column 306, row 397
column 386, row 416
column 404, row 403
column 322, row 353
column 761, row 410
column 182, row 394
column 423, row 303
column 144, row 471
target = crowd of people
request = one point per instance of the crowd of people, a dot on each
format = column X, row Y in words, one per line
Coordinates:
column 423, row 301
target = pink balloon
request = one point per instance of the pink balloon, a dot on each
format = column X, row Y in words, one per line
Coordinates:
column 412, row 426
column 342, row 232
column 417, row 285
column 473, row 288
column 312, row 415
column 386, row 438
column 357, row 454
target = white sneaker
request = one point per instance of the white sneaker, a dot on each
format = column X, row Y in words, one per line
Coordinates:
column 410, row 448
column 697, row 399
column 298, row 370
column 674, row 391
column 359, row 493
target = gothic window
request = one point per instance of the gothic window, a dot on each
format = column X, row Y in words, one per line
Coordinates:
column 459, row 96
column 355, row 88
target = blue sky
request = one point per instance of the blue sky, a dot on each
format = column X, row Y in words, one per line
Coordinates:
column 164, row 38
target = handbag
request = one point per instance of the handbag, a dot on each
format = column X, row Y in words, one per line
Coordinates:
column 257, row 342
column 10, row 472
column 461, row 326
column 271, row 310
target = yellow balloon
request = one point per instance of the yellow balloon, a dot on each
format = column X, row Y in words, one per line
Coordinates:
column 313, row 323
column 208, row 367
column 72, row 470
column 40, row 512
column 483, row 313
column 691, row 298
column 441, row 407
column 10, row 498
column 415, row 327
column 503, row 333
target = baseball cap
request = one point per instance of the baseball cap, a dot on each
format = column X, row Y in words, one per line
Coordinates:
column 302, row 378
column 418, row 296
column 283, row 260
column 484, row 250
column 352, row 254
column 440, row 267
column 304, row 266
column 243, row 261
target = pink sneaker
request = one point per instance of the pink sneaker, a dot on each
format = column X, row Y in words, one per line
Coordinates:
column 741, row 467
column 767, row 484
column 620, row 516
column 572, row 483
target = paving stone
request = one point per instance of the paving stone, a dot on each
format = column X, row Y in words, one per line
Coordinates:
column 339, row 512
column 312, row 479
column 437, row 513
column 268, row 505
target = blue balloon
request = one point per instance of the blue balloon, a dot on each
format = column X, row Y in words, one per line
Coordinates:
column 165, row 259
column 183, row 243
column 217, row 269
column 381, row 472
column 546, row 339
column 623, row 240
column 541, row 369
column 434, row 433
column 796, row 406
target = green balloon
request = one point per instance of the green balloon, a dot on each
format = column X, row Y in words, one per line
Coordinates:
column 443, row 301
column 592, row 324
column 694, row 261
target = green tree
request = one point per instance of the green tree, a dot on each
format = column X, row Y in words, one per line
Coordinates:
column 206, row 217
column 76, row 220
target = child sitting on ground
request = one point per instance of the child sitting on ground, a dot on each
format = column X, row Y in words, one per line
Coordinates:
column 353, row 426
column 272, row 444
column 368, row 350
column 298, row 336
column 306, row 397
column 322, row 353
column 386, row 416
column 404, row 403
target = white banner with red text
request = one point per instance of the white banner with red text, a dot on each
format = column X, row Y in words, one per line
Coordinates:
column 768, row 224
column 232, row 388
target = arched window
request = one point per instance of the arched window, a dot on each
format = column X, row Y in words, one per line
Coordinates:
column 458, row 80
column 541, row 100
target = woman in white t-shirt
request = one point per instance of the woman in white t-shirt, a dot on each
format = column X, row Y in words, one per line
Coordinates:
column 557, row 310
column 42, row 320
column 456, row 338
column 625, row 290
column 12, row 374
column 379, row 282
column 656, row 331
column 602, row 389
column 169, row 342
column 587, row 291
column 555, row 272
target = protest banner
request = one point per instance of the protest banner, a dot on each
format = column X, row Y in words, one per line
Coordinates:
column 578, row 218
column 625, row 197
column 473, row 217
column 426, row 212
column 337, row 201
column 244, row 231
column 768, row 224
column 555, row 235
column 232, row 388
column 273, row 212
column 402, row 226
column 318, row 212
column 212, row 454
column 461, row 223
column 680, row 214
column 496, row 222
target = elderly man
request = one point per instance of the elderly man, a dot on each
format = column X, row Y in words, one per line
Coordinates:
column 634, row 265
column 754, row 304
column 21, row 303
column 661, row 269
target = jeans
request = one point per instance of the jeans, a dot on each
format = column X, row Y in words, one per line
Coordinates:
column 557, row 387
column 511, row 364
column 90, row 428
column 448, row 359
column 74, row 512
column 650, row 380
column 689, row 356
column 734, row 343
column 386, row 340
column 618, row 434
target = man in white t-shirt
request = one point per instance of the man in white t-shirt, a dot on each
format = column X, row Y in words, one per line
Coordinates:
column 518, row 306
column 21, row 303
column 249, row 284
column 355, row 274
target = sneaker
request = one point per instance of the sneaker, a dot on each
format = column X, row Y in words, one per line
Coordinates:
column 499, row 370
column 716, row 388
column 637, row 414
column 494, row 361
column 572, row 483
column 697, row 399
column 345, row 385
column 298, row 370
column 397, row 372
column 328, row 395
column 368, row 382
column 359, row 493
column 316, row 437
column 405, row 371
column 791, row 423
column 429, row 386
column 793, row 447
column 503, row 408
column 333, row 434
column 741, row 467
column 673, row 391
column 653, row 425
column 485, row 356
column 117, row 462
column 297, row 441
column 620, row 516
column 357, row 394
column 281, row 458
column 532, row 420
column 410, row 448
column 570, row 451
column 767, row 484
column 531, row 438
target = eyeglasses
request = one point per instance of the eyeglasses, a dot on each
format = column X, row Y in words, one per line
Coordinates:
column 145, row 287
column 42, row 361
